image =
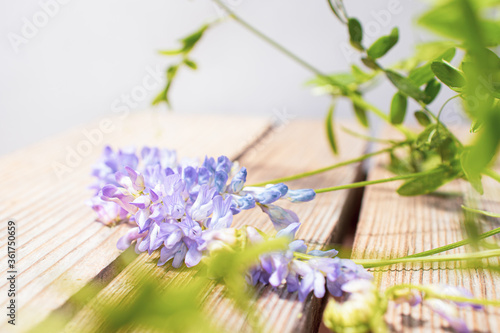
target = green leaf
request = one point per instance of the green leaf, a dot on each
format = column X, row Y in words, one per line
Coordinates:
column 399, row 166
column 383, row 44
column 337, row 7
column 170, row 52
column 398, row 108
column 360, row 114
column 485, row 147
column 473, row 178
column 453, row 19
column 360, row 75
column 425, row 52
column 190, row 41
column 355, row 33
column 191, row 64
column 370, row 63
column 405, row 85
column 438, row 139
column 431, row 90
column 476, row 126
column 428, row 183
column 163, row 95
column 448, row 74
column 422, row 118
column 424, row 74
column 329, row 129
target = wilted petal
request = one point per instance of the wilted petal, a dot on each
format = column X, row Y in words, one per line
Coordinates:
column 280, row 217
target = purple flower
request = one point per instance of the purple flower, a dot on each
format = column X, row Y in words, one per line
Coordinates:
column 449, row 313
column 119, row 196
column 108, row 212
column 125, row 241
column 345, row 271
column 203, row 206
column 446, row 289
column 222, row 215
column 312, row 279
column 280, row 217
column 185, row 210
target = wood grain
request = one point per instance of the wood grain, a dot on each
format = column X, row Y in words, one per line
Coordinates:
column 286, row 150
column 392, row 226
column 60, row 246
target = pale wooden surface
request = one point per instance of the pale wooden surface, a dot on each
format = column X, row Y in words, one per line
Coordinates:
column 392, row 226
column 60, row 247
column 294, row 148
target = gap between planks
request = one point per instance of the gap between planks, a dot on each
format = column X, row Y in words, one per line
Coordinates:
column 298, row 147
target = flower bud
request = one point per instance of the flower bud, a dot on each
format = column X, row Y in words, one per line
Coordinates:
column 361, row 312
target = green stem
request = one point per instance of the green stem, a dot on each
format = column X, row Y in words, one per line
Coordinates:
column 273, row 43
column 342, row 18
column 355, row 98
column 371, row 182
column 492, row 174
column 453, row 245
column 440, row 123
column 371, row 138
column 371, row 263
column 328, row 168
column 430, row 293
column 438, row 249
column 478, row 211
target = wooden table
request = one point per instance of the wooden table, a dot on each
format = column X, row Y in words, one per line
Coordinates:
column 61, row 249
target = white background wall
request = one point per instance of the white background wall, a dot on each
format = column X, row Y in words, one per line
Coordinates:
column 90, row 54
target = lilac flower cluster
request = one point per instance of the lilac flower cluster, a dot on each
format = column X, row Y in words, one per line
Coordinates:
column 447, row 309
column 363, row 305
column 179, row 207
column 303, row 273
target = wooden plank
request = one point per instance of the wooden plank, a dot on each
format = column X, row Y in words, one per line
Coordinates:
column 297, row 147
column 392, row 226
column 60, row 247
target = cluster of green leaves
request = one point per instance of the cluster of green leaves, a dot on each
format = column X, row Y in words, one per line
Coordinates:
column 466, row 25
column 187, row 45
